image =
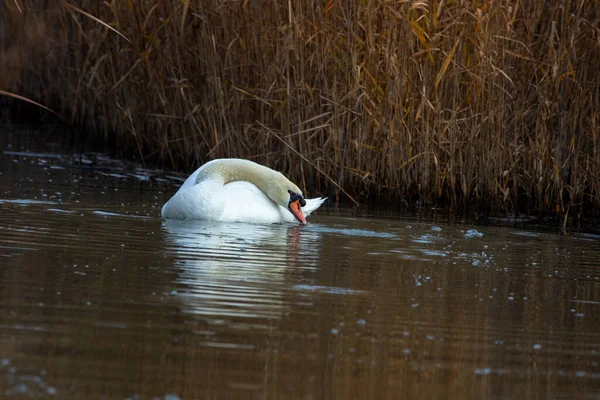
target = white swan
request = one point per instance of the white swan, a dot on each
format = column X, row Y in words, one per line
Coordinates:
column 237, row 190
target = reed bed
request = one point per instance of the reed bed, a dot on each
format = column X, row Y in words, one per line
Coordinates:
column 491, row 105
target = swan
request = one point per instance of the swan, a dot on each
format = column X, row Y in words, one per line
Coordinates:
column 238, row 190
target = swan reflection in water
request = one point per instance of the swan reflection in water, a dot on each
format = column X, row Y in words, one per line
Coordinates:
column 238, row 269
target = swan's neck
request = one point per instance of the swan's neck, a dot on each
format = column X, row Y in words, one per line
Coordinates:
column 271, row 182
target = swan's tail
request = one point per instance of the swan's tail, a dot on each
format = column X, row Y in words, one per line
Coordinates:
column 312, row 205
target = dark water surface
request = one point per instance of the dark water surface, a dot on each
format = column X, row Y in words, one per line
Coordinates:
column 101, row 299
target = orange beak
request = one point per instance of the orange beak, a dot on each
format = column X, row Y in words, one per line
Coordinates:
column 297, row 211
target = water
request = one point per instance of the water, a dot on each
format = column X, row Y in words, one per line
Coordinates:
column 102, row 299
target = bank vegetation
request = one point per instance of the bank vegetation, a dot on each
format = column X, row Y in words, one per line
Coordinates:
column 483, row 105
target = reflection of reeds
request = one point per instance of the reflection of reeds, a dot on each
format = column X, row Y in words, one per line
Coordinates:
column 476, row 102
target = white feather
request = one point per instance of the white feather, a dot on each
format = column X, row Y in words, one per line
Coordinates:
column 206, row 194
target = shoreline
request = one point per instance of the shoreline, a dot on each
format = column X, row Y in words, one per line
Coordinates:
column 95, row 159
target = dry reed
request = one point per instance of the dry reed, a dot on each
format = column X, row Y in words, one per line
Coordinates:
column 468, row 103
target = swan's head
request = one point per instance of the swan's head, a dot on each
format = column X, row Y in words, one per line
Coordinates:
column 295, row 205
column 285, row 193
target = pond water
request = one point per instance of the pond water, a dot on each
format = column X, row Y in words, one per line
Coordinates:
column 103, row 299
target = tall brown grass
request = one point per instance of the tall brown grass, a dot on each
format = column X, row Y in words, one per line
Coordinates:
column 486, row 103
